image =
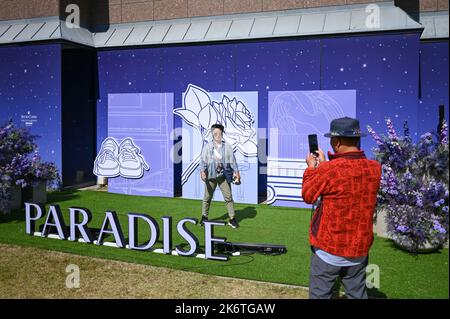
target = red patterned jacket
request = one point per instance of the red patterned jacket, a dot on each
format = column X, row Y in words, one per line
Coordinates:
column 343, row 221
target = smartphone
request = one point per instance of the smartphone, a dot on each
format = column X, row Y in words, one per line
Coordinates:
column 313, row 144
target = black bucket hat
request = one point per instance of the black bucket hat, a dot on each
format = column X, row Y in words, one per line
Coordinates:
column 345, row 127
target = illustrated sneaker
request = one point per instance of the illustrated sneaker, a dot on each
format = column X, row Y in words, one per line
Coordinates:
column 106, row 163
column 202, row 221
column 233, row 223
column 132, row 163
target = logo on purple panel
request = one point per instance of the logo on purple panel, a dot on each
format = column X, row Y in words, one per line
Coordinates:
column 28, row 119
column 124, row 159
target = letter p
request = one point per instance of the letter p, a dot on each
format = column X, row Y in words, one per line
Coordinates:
column 30, row 221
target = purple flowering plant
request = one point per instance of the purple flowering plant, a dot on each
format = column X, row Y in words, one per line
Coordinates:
column 20, row 162
column 414, row 186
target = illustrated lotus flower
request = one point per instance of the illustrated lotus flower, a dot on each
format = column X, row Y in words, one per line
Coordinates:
column 201, row 112
column 195, row 100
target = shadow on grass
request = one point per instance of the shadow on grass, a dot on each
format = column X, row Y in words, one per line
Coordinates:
column 391, row 244
column 16, row 215
column 62, row 196
column 241, row 214
column 52, row 198
column 372, row 293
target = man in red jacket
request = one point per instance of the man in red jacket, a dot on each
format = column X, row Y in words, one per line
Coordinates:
column 341, row 232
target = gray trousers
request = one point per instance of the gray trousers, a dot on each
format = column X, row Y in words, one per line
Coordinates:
column 323, row 277
column 225, row 187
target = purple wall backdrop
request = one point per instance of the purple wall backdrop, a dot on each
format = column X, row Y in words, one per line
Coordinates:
column 382, row 69
column 30, row 85
column 394, row 75
column 434, row 83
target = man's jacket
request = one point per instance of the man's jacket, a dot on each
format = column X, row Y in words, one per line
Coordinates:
column 208, row 164
column 342, row 224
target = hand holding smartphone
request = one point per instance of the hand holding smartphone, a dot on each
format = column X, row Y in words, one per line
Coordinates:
column 313, row 144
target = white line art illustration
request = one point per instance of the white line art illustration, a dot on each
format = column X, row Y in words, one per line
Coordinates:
column 295, row 114
column 147, row 119
column 200, row 112
column 132, row 163
column 124, row 159
column 284, row 179
column 106, row 163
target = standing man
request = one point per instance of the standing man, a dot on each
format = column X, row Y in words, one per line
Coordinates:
column 341, row 231
column 218, row 167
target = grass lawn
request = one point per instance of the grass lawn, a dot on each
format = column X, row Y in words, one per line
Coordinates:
column 402, row 275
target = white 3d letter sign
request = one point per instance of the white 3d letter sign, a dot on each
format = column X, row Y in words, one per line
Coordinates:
column 78, row 230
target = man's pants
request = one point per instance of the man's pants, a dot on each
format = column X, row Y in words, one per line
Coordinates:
column 225, row 187
column 323, row 277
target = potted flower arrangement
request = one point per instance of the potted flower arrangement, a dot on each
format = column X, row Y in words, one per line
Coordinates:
column 414, row 187
column 12, row 181
column 13, row 142
column 39, row 176
column 18, row 170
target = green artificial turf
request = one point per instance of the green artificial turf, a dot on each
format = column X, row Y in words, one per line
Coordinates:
column 402, row 275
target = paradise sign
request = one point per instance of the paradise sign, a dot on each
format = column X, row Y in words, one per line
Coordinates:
column 78, row 230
